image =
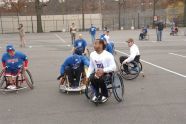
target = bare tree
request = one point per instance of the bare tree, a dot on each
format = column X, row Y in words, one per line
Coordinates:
column 39, row 4
column 16, row 6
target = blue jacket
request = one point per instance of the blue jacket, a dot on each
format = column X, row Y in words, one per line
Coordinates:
column 74, row 61
column 80, row 45
column 14, row 62
column 92, row 30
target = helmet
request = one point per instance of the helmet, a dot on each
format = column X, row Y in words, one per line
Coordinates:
column 10, row 48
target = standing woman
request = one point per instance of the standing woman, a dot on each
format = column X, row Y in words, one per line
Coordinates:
column 73, row 32
column 22, row 35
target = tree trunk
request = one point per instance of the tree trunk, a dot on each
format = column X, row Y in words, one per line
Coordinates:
column 38, row 14
column 184, row 20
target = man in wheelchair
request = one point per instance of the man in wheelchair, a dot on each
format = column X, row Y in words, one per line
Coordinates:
column 134, row 56
column 73, row 67
column 13, row 61
column 101, row 66
column 143, row 33
column 80, row 46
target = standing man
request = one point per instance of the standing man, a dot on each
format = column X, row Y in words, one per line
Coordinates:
column 22, row 35
column 73, row 32
column 159, row 30
column 92, row 32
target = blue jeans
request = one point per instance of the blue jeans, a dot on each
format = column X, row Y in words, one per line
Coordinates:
column 93, row 38
column 159, row 35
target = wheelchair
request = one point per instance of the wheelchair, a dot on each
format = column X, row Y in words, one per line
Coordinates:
column 114, row 85
column 23, row 80
column 145, row 37
column 134, row 69
column 66, row 87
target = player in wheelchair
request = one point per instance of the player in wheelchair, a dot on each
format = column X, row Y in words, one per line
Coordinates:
column 15, row 65
column 143, row 33
column 72, row 73
column 80, row 46
column 100, row 70
column 130, row 65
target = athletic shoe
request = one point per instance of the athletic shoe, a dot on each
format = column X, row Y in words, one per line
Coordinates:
column 94, row 98
column 104, row 99
column 12, row 87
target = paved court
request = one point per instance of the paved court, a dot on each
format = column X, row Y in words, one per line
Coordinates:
column 158, row 98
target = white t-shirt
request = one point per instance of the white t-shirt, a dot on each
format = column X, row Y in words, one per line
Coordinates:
column 105, row 60
column 134, row 51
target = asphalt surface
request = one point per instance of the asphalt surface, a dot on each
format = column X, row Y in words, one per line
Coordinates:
column 157, row 98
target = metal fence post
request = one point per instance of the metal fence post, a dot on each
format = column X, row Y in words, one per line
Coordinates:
column 1, row 23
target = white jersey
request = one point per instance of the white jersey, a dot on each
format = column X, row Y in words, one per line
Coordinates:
column 107, row 37
column 134, row 51
column 105, row 60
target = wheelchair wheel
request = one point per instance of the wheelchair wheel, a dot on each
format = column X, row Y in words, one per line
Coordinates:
column 118, row 87
column 131, row 75
column 2, row 79
column 89, row 92
column 28, row 78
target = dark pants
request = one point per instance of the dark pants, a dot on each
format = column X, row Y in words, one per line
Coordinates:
column 123, row 58
column 74, row 75
column 73, row 36
column 142, row 36
column 99, row 83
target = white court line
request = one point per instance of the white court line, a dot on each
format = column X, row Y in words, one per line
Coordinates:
column 60, row 38
column 157, row 66
column 178, row 55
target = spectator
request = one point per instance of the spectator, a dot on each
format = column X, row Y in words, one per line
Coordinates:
column 92, row 32
column 73, row 32
column 159, row 30
column 22, row 35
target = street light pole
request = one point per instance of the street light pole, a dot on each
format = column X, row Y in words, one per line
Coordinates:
column 119, row 16
column 83, row 16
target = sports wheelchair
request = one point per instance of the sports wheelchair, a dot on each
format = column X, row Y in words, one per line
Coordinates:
column 23, row 80
column 134, row 69
column 114, row 85
column 66, row 87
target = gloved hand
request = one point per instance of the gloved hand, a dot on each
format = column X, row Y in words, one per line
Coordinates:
column 58, row 78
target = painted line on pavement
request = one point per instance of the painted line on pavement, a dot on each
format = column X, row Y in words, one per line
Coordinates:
column 157, row 66
column 177, row 55
column 60, row 38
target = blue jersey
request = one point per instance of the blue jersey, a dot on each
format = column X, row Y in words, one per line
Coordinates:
column 74, row 61
column 14, row 62
column 80, row 46
column 109, row 48
column 92, row 30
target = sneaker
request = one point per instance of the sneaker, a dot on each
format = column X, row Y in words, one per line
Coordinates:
column 94, row 98
column 12, row 87
column 104, row 99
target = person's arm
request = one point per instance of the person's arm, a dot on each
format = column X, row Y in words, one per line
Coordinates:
column 3, row 62
column 25, row 60
column 66, row 63
column 133, row 53
column 90, row 68
column 85, row 61
column 112, row 65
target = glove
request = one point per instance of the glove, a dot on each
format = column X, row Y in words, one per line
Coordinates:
column 58, row 78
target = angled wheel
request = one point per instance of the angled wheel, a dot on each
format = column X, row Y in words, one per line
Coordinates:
column 28, row 78
column 133, row 73
column 2, row 79
column 118, row 87
column 89, row 92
